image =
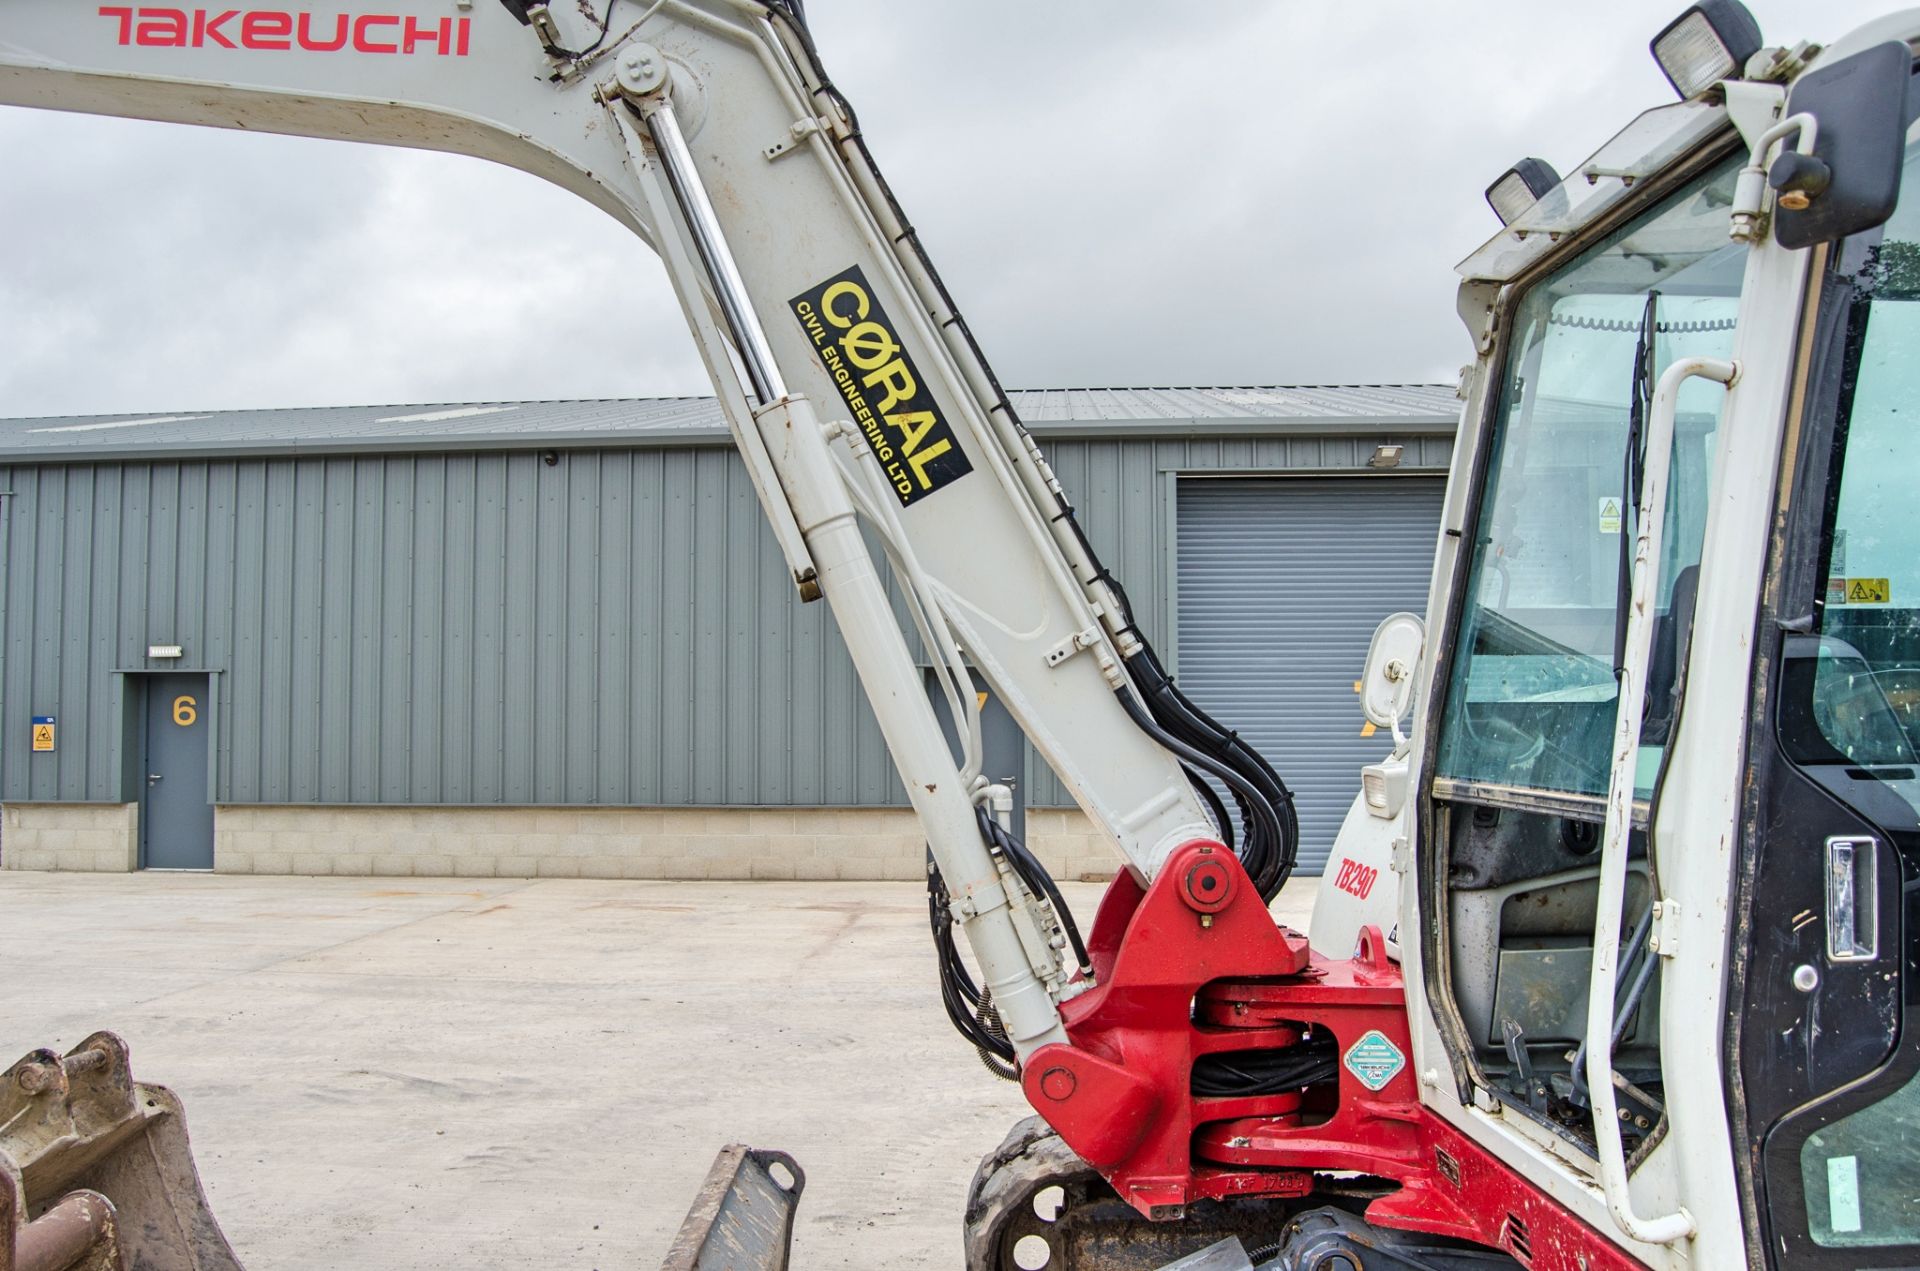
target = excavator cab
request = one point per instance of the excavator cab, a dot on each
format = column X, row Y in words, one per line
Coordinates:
column 1666, row 844
column 1522, row 759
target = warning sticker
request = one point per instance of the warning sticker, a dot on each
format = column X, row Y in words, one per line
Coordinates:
column 1859, row 591
column 1375, row 1060
column 1610, row 516
column 43, row 732
column 857, row 343
column 1843, row 1193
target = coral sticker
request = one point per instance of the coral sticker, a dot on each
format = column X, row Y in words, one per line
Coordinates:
column 859, row 346
column 1375, row 1060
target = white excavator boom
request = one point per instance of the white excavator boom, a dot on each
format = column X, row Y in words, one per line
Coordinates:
column 851, row 385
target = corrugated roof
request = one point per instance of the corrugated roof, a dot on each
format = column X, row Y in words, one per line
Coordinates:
column 641, row 421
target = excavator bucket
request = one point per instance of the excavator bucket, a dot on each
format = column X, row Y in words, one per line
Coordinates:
column 96, row 1175
column 95, row 1170
column 742, row 1219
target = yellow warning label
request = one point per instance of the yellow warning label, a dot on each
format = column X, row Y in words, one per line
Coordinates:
column 981, row 700
column 1609, row 511
column 43, row 736
column 1859, row 591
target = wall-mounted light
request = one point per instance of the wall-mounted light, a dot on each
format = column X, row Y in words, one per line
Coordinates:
column 1385, row 457
column 164, row 651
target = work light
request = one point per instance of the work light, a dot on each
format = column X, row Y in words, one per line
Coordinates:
column 1708, row 43
column 1520, row 187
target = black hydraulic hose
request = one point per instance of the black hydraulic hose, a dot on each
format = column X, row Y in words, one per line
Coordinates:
column 966, row 1006
column 1179, row 712
column 1004, row 1068
column 1162, row 689
column 1204, row 788
column 1037, row 879
column 1269, row 874
column 1183, row 718
column 1236, row 1073
column 1272, row 828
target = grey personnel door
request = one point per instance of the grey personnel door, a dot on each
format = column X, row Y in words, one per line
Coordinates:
column 1281, row 584
column 176, row 816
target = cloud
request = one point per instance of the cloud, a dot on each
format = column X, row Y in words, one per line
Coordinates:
column 1116, row 193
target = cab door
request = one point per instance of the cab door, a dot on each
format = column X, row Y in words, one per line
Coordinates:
column 1826, row 964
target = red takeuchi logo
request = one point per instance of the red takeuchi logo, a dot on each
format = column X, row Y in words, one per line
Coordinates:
column 281, row 29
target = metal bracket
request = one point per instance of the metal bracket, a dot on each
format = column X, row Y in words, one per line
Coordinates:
column 1665, row 939
column 798, row 133
column 1756, row 111
column 1073, row 644
column 1593, row 172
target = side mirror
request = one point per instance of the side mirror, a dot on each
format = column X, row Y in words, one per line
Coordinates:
column 1850, row 180
column 1386, row 683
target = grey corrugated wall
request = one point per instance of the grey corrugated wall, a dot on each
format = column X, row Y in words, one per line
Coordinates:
column 1124, row 494
column 1274, row 637
column 450, row 629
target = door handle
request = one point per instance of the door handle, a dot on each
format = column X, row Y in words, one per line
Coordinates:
column 152, row 777
column 1853, row 872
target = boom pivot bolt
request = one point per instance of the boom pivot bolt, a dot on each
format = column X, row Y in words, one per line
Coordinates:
column 643, row 70
column 1058, row 1084
column 1208, row 885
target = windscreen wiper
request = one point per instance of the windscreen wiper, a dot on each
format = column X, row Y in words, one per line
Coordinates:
column 1640, row 399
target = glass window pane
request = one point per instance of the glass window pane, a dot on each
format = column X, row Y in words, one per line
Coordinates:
column 1862, row 1175
column 1850, row 695
column 1531, row 700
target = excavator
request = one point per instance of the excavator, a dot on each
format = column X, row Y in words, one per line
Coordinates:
column 1619, row 944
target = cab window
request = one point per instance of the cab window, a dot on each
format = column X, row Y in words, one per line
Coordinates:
column 1532, row 691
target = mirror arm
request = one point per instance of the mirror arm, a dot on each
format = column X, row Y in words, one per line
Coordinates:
column 1750, row 188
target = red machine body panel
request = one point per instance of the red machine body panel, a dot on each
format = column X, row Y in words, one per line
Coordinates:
column 1195, row 966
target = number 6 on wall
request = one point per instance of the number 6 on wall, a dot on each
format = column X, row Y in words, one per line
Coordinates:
column 184, row 713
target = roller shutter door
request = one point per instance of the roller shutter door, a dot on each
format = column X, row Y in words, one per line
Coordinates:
column 1281, row 583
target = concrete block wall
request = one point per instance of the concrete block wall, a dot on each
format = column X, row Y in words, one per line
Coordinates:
column 91, row 837
column 718, row 843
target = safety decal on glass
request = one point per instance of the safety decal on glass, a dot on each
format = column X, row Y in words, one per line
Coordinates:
column 857, row 343
column 1859, row 591
column 1375, row 1060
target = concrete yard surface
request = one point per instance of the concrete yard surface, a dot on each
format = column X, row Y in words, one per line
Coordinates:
column 439, row 1073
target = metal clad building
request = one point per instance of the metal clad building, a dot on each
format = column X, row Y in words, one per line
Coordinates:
column 557, row 637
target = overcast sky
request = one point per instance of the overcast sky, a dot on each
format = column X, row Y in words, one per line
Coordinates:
column 1117, row 193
